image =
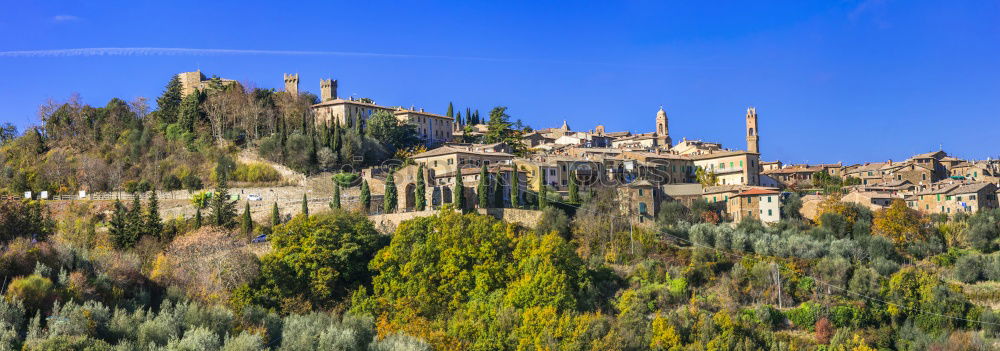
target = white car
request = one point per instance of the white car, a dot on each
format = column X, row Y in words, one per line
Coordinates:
column 254, row 197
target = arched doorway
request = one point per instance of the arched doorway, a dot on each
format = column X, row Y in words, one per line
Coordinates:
column 446, row 195
column 436, row 197
column 410, row 197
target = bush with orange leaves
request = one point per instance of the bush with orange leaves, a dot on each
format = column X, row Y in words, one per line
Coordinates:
column 207, row 264
column 900, row 223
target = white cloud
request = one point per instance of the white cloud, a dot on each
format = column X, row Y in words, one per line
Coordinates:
column 64, row 18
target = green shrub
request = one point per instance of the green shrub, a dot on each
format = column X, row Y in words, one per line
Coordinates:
column 35, row 291
column 804, row 316
column 256, row 173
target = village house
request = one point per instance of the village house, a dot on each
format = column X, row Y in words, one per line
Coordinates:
column 756, row 203
column 954, row 197
column 450, row 158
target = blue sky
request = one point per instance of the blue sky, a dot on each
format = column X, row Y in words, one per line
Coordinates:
column 849, row 81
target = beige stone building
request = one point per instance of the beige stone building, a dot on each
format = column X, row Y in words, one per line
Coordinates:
column 756, row 203
column 431, row 127
column 449, row 158
column 346, row 112
column 731, row 167
column 191, row 81
column 639, row 202
column 954, row 197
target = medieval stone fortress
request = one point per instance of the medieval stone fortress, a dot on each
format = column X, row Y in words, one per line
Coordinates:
column 646, row 169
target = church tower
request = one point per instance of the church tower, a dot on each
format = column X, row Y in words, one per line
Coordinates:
column 292, row 83
column 753, row 141
column 662, row 131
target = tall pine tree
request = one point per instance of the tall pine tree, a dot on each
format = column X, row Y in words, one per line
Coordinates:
column 421, row 191
column 483, row 188
column 154, row 226
column 136, row 222
column 223, row 210
column 451, row 110
column 169, row 103
column 118, row 226
column 390, row 198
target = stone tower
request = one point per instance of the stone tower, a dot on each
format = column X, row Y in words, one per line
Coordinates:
column 292, row 83
column 662, row 129
column 599, row 130
column 327, row 89
column 753, row 141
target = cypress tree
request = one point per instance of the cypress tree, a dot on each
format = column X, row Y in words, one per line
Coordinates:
column 476, row 114
column 515, row 198
column 154, row 226
column 497, row 189
column 335, row 202
column 451, row 110
column 275, row 215
column 421, row 191
column 458, row 119
column 197, row 218
column 457, row 196
column 468, row 116
column 366, row 197
column 246, row 223
column 223, row 210
column 335, row 140
column 305, row 205
column 390, row 198
column 118, row 226
column 543, row 192
column 483, row 189
column 574, row 189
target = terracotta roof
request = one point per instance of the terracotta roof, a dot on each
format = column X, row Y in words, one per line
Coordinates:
column 445, row 150
column 794, row 170
column 759, row 191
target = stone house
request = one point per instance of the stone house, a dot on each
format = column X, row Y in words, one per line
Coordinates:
column 756, row 203
column 449, row 158
column 954, row 197
column 731, row 167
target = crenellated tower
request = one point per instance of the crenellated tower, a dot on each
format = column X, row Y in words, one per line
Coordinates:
column 753, row 141
column 327, row 89
column 292, row 83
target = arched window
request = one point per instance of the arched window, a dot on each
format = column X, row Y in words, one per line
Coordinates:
column 750, row 132
column 642, row 208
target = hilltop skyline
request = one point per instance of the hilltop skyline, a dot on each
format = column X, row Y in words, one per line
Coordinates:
column 883, row 75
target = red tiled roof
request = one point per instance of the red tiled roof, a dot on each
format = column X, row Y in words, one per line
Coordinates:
column 759, row 191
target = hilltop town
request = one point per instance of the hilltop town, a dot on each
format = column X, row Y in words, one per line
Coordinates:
column 648, row 168
column 232, row 217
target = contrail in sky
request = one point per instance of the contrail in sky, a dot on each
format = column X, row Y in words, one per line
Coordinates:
column 209, row 52
column 190, row 52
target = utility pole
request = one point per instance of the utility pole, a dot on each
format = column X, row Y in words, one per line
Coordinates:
column 776, row 277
